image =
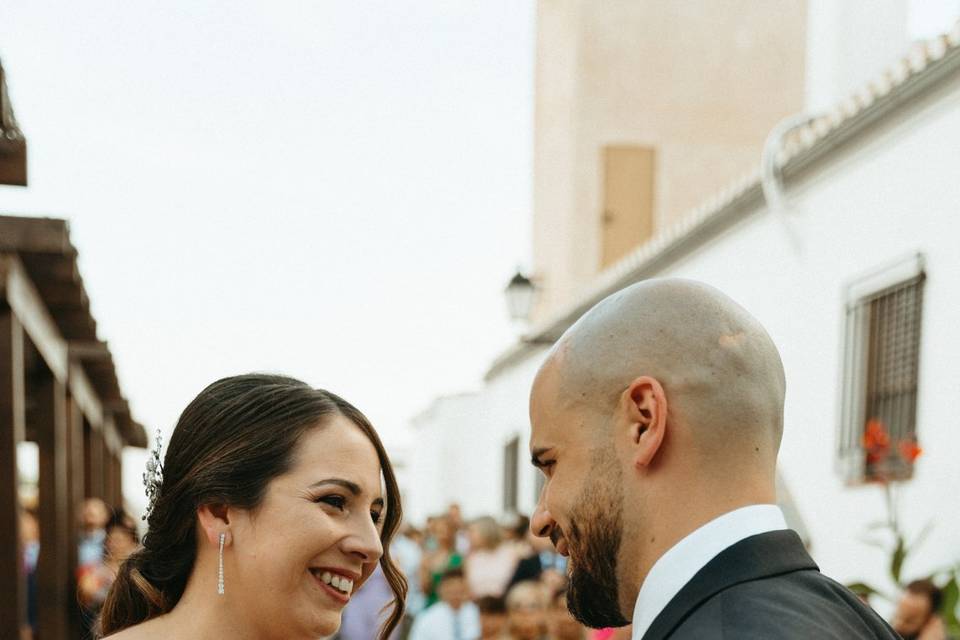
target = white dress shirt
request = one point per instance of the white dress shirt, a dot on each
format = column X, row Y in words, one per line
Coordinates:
column 683, row 560
column 441, row 622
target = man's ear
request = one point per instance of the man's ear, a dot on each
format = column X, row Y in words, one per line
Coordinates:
column 644, row 405
column 214, row 520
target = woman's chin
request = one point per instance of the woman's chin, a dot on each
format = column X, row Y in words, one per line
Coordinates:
column 328, row 624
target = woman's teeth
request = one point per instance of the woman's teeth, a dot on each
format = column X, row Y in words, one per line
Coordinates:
column 341, row 584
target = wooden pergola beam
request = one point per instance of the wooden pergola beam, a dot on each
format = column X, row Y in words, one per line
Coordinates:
column 26, row 303
column 13, row 607
column 88, row 350
column 23, row 298
column 36, row 235
column 85, row 396
column 64, row 293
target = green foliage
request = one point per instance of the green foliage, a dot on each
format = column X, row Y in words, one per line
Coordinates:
column 897, row 557
column 951, row 598
column 862, row 589
column 947, row 579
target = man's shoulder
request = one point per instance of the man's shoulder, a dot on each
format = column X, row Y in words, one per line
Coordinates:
column 799, row 604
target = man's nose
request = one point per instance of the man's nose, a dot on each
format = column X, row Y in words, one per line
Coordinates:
column 542, row 523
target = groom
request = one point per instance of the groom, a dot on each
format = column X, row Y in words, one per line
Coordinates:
column 656, row 420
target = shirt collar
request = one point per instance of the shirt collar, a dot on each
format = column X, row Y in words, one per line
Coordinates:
column 683, row 560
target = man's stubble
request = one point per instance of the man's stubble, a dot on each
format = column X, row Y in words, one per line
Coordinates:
column 594, row 536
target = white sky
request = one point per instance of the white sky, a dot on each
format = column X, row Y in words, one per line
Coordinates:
column 334, row 190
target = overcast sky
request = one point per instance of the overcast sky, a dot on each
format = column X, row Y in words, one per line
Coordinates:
column 334, row 190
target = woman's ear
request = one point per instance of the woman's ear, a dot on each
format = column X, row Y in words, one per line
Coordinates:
column 214, row 520
column 644, row 404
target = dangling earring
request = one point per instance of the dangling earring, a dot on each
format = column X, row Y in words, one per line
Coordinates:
column 223, row 537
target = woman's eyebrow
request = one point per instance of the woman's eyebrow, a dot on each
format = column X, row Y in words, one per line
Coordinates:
column 352, row 487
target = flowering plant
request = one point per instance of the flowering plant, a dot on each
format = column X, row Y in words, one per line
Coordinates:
column 886, row 461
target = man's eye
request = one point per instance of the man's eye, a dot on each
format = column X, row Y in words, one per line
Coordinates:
column 337, row 502
column 546, row 468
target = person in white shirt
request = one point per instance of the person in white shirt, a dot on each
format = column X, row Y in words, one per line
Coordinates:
column 657, row 419
column 454, row 617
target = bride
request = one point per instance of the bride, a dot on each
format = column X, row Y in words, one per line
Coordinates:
column 275, row 501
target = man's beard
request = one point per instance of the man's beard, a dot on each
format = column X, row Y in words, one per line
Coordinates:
column 593, row 597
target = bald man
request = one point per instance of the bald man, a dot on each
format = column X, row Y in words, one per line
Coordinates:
column 656, row 420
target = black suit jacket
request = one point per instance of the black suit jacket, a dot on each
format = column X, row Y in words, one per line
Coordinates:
column 766, row 587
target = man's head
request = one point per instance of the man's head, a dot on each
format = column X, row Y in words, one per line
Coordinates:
column 660, row 409
column 919, row 602
column 453, row 588
column 493, row 617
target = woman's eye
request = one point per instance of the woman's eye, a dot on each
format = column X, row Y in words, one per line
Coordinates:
column 376, row 515
column 338, row 502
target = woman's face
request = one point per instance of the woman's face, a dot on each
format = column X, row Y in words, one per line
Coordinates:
column 318, row 524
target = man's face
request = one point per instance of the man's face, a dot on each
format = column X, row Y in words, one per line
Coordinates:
column 581, row 507
column 912, row 613
column 454, row 592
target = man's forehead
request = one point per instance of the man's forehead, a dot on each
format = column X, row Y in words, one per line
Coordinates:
column 550, row 413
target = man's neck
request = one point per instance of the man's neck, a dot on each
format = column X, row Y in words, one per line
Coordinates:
column 675, row 525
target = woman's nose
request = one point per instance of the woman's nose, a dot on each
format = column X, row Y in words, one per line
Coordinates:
column 364, row 543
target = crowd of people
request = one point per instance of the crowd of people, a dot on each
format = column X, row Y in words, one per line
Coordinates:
column 478, row 580
column 481, row 579
column 490, row 580
column 107, row 537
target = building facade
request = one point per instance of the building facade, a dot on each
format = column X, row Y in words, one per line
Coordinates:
column 845, row 250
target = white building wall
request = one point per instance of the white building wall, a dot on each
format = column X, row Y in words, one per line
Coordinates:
column 849, row 42
column 893, row 192
column 458, row 446
column 895, row 195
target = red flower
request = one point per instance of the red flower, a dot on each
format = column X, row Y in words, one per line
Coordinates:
column 910, row 451
column 876, row 440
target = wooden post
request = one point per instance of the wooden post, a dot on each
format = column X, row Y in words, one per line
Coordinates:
column 13, row 607
column 116, row 472
column 108, row 495
column 54, row 571
column 113, row 449
column 74, row 500
column 94, row 471
column 98, row 462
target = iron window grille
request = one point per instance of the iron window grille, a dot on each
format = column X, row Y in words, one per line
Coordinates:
column 878, row 422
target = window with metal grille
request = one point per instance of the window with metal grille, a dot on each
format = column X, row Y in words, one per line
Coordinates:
column 511, row 470
column 878, row 427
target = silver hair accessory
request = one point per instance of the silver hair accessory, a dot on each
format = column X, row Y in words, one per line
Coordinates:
column 153, row 476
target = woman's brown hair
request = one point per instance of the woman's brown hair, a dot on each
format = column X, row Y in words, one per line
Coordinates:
column 230, row 442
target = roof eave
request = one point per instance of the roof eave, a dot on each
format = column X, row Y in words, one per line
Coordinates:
column 923, row 69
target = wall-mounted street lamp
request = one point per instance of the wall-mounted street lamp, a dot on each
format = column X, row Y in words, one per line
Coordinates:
column 520, row 293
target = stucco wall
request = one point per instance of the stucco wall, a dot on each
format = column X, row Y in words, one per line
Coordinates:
column 702, row 82
column 891, row 193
